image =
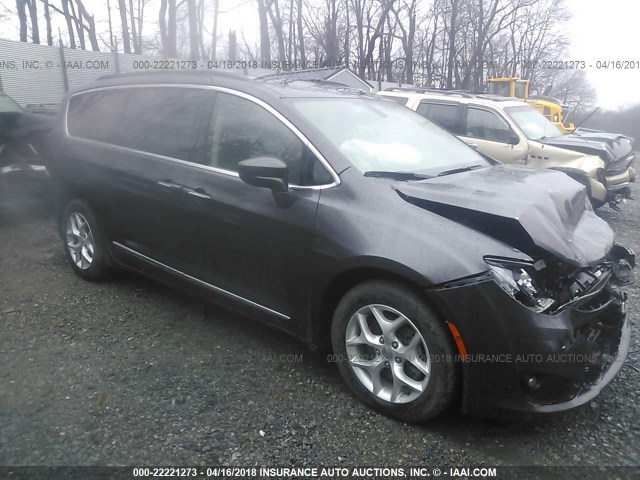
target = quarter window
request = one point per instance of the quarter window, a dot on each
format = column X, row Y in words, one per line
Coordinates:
column 95, row 115
column 486, row 125
column 442, row 114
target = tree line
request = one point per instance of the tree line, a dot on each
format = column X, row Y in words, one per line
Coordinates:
column 436, row 43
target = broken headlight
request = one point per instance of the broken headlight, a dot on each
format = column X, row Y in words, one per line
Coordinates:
column 515, row 279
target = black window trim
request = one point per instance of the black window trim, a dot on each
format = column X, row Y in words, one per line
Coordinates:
column 488, row 110
column 266, row 106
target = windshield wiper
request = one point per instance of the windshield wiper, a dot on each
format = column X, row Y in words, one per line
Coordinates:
column 459, row 170
column 397, row 175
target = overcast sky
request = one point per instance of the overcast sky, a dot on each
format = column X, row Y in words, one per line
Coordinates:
column 600, row 30
column 607, row 30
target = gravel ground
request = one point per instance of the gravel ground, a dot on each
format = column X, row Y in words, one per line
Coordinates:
column 129, row 372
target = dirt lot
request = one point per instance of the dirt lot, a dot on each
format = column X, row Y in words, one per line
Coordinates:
column 128, row 372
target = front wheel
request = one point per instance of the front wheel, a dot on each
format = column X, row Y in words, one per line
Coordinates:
column 394, row 352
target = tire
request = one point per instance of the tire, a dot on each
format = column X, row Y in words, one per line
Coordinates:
column 390, row 298
column 78, row 226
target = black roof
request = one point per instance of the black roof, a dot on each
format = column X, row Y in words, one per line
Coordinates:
column 171, row 76
column 282, row 88
column 309, row 74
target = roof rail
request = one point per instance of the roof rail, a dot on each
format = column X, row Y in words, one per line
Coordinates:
column 497, row 98
column 460, row 93
column 204, row 73
column 277, row 78
column 314, row 83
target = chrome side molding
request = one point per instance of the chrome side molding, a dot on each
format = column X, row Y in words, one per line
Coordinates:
column 199, row 282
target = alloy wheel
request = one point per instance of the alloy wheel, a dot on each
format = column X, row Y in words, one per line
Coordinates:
column 387, row 353
column 80, row 240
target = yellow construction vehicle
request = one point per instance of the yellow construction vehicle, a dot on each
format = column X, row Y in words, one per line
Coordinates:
column 516, row 87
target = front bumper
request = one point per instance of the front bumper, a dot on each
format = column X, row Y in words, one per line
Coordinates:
column 520, row 360
column 614, row 188
column 617, row 177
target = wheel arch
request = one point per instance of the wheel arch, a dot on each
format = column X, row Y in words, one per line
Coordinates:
column 349, row 277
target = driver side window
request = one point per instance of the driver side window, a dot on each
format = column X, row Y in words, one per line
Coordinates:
column 485, row 125
column 241, row 129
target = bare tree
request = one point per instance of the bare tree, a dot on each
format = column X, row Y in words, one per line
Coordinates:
column 111, row 39
column 134, row 33
column 331, row 33
column 265, row 47
column 406, row 13
column 214, row 33
column 21, row 6
column 273, row 9
column 69, row 21
column 301, row 47
column 88, row 24
column 194, row 46
column 168, row 27
column 33, row 14
column 47, row 19
column 232, row 47
column 126, row 40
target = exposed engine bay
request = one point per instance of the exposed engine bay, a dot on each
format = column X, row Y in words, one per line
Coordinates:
column 549, row 286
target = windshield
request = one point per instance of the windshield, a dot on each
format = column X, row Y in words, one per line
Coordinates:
column 375, row 135
column 533, row 124
column 8, row 104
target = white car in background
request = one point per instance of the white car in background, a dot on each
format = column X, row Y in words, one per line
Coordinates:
column 513, row 132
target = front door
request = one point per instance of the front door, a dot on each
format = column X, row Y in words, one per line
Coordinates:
column 250, row 241
column 493, row 136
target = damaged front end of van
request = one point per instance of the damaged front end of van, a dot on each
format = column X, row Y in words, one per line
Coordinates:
column 557, row 331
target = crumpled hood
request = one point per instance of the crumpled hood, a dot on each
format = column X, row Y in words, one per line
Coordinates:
column 608, row 146
column 526, row 208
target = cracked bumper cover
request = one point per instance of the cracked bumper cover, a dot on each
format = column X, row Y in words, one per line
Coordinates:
column 571, row 355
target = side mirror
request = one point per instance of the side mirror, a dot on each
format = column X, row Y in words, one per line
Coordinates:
column 514, row 139
column 267, row 172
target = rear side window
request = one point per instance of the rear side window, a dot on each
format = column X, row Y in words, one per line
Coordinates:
column 241, row 129
column 160, row 120
column 165, row 121
column 95, row 115
column 486, row 125
column 442, row 114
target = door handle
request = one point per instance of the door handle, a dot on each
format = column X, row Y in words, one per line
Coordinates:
column 198, row 194
column 169, row 184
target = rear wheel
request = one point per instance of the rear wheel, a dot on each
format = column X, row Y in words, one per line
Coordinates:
column 83, row 242
column 394, row 351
